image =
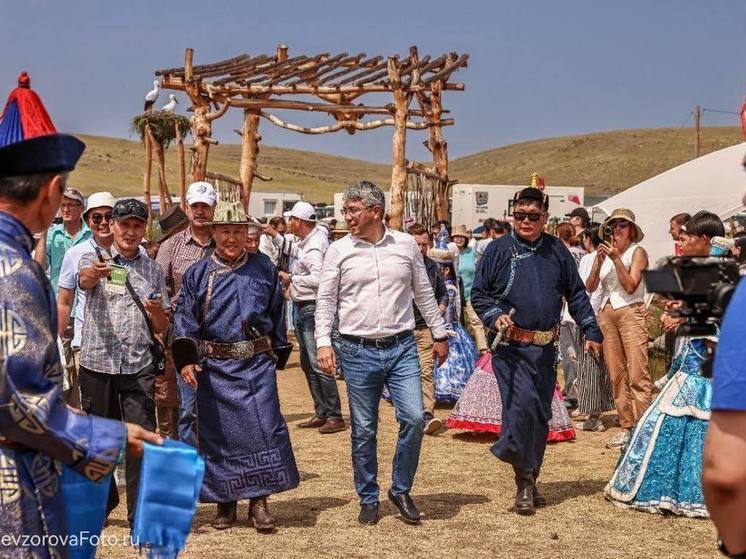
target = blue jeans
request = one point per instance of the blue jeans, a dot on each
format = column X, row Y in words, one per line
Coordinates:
column 323, row 387
column 366, row 371
column 187, row 412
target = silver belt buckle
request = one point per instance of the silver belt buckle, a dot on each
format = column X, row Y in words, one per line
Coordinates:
column 242, row 350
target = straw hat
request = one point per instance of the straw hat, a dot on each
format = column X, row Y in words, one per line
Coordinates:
column 459, row 231
column 230, row 213
column 627, row 215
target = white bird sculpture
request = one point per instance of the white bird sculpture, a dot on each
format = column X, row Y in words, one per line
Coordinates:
column 152, row 96
column 171, row 105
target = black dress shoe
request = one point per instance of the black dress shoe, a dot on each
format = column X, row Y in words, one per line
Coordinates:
column 406, row 507
column 368, row 514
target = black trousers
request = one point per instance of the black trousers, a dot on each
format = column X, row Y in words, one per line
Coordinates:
column 126, row 398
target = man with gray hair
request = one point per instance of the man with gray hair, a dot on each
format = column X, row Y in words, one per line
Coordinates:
column 368, row 282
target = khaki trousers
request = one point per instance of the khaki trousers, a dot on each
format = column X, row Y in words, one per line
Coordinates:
column 625, row 333
column 424, row 340
column 475, row 327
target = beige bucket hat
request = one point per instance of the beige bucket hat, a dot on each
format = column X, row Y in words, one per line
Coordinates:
column 626, row 215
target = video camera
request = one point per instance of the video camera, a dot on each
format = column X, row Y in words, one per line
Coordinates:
column 704, row 284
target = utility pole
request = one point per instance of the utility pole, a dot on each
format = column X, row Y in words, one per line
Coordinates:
column 697, row 130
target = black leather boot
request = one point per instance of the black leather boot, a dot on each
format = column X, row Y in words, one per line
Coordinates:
column 524, row 497
column 539, row 499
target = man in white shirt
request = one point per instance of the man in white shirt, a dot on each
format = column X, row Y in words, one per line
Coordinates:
column 369, row 280
column 305, row 272
column 70, row 299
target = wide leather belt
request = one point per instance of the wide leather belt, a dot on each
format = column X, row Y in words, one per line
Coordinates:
column 5, row 443
column 379, row 343
column 531, row 337
column 245, row 349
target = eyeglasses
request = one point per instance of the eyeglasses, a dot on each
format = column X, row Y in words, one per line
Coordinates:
column 353, row 212
column 518, row 217
column 96, row 219
column 619, row 224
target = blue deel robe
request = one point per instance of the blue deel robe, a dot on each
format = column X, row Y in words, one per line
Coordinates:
column 532, row 278
column 241, row 433
column 36, row 426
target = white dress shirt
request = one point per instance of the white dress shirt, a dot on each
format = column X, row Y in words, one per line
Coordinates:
column 371, row 288
column 307, row 260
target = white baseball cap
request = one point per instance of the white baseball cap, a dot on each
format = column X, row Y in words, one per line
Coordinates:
column 302, row 210
column 201, row 191
column 99, row 200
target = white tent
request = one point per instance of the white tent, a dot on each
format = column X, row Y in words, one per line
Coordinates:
column 715, row 182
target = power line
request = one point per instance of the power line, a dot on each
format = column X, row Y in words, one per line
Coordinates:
column 719, row 111
column 675, row 137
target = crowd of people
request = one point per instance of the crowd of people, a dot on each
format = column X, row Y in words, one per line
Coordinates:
column 183, row 337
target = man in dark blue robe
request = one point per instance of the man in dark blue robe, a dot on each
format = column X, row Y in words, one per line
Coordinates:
column 518, row 289
column 231, row 320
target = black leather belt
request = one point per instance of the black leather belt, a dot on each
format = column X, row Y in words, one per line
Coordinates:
column 379, row 343
column 304, row 303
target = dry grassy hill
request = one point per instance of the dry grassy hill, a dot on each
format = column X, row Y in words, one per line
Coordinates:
column 604, row 162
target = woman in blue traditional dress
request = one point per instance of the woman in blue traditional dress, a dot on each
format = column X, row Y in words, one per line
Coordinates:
column 661, row 467
column 452, row 375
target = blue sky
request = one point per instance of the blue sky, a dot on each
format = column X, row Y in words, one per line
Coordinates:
column 538, row 68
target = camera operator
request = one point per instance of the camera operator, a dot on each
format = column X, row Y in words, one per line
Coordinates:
column 724, row 470
column 695, row 238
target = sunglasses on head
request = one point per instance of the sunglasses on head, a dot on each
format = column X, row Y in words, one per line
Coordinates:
column 531, row 216
column 130, row 208
column 98, row 218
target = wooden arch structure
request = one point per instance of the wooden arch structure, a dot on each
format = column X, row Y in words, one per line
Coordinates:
column 260, row 84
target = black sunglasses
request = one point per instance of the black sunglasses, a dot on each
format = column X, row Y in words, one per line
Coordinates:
column 532, row 216
column 98, row 218
column 130, row 208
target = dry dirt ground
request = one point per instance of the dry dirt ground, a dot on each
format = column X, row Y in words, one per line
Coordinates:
column 463, row 492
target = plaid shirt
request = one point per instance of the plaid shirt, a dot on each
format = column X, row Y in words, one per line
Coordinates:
column 175, row 255
column 115, row 336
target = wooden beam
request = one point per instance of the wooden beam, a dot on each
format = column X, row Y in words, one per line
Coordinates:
column 331, row 108
column 348, row 125
column 348, row 63
column 182, row 171
column 178, row 85
column 447, row 70
column 399, row 148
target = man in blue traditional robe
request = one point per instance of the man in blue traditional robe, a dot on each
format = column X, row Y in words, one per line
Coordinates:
column 229, row 326
column 528, row 273
column 37, row 429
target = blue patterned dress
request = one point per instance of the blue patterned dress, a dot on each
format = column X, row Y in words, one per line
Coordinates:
column 661, row 467
column 453, row 374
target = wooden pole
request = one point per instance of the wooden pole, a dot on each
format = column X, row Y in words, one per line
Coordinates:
column 163, row 195
column 201, row 124
column 146, row 177
column 697, row 130
column 399, row 148
column 249, row 153
column 182, row 172
column 439, row 149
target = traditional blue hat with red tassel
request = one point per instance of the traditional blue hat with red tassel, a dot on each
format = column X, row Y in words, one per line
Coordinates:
column 29, row 142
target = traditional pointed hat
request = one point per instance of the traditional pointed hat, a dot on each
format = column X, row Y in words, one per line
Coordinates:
column 440, row 252
column 29, row 142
